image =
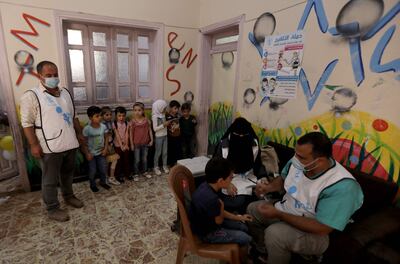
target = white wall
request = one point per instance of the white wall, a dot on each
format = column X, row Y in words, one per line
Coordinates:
column 215, row 11
column 172, row 12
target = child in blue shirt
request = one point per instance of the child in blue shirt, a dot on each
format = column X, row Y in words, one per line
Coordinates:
column 210, row 222
column 96, row 136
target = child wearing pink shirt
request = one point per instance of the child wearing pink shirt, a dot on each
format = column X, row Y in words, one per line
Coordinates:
column 141, row 138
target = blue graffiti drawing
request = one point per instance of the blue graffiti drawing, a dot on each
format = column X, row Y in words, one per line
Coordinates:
column 264, row 100
column 355, row 55
column 312, row 98
column 375, row 63
column 253, row 40
column 319, row 11
column 355, row 47
column 356, row 60
column 382, row 22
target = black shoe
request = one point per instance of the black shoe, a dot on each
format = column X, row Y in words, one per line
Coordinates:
column 94, row 188
column 120, row 179
column 105, row 185
column 130, row 177
column 257, row 257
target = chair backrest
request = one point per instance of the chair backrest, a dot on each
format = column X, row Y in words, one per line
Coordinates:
column 181, row 182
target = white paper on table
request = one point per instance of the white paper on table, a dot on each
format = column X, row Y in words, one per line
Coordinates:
column 242, row 183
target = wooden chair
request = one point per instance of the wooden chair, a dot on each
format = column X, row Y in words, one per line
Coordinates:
column 181, row 182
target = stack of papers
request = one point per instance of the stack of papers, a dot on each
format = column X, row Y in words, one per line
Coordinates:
column 196, row 165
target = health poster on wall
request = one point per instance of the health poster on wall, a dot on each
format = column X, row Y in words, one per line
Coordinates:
column 281, row 64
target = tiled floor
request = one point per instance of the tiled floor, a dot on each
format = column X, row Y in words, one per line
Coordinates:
column 10, row 185
column 128, row 224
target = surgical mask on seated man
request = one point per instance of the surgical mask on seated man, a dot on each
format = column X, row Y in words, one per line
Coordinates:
column 304, row 167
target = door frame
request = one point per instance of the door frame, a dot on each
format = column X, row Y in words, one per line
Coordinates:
column 5, row 82
column 205, row 75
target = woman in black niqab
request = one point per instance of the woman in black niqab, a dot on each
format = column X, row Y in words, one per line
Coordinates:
column 240, row 140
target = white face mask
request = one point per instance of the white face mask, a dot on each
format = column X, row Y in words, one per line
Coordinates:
column 304, row 167
column 51, row 82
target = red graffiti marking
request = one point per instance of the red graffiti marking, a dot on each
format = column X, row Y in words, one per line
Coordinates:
column 18, row 33
column 172, row 39
column 190, row 60
column 172, row 36
column 173, row 80
column 22, row 73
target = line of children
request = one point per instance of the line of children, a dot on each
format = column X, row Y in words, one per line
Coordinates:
column 112, row 157
column 174, row 133
column 121, row 143
column 141, row 138
column 160, row 125
column 111, row 142
column 187, row 124
column 96, row 135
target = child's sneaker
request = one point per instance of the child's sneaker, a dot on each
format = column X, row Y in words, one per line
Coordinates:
column 166, row 170
column 157, row 171
column 136, row 177
column 113, row 181
column 147, row 175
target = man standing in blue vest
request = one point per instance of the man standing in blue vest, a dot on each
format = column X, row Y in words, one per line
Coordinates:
column 52, row 131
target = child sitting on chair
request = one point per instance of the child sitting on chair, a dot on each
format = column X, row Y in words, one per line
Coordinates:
column 210, row 222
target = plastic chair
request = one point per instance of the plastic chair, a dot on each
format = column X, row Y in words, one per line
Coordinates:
column 181, row 182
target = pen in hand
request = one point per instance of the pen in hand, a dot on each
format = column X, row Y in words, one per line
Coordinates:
column 252, row 181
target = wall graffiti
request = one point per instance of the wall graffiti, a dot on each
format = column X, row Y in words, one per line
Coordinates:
column 33, row 32
column 172, row 36
column 312, row 97
column 219, row 119
column 26, row 60
column 361, row 140
column 354, row 42
column 355, row 143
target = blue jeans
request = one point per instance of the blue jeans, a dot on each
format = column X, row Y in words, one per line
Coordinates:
column 97, row 165
column 230, row 232
column 161, row 148
column 140, row 153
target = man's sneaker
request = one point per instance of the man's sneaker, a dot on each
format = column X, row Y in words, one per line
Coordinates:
column 58, row 215
column 74, row 202
column 94, row 188
column 147, row 175
column 157, row 171
column 113, row 181
column 105, row 185
column 166, row 170
column 136, row 177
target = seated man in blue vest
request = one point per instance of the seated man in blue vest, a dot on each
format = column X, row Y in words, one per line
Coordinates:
column 321, row 195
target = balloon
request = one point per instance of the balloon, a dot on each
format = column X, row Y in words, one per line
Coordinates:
column 9, row 155
column 7, row 143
